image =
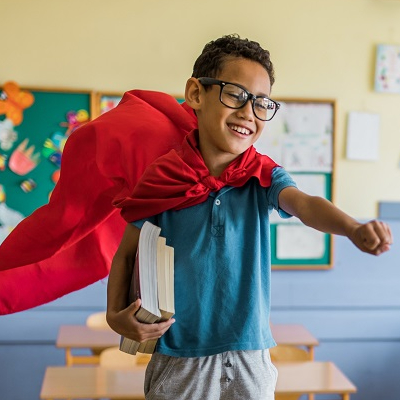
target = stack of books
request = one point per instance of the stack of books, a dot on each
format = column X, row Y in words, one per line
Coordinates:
column 152, row 282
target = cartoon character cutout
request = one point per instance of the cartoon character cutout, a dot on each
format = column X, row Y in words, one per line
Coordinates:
column 13, row 102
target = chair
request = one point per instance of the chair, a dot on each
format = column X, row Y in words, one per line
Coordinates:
column 114, row 357
column 289, row 353
column 285, row 353
column 97, row 320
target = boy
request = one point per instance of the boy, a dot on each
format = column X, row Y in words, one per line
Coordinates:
column 212, row 200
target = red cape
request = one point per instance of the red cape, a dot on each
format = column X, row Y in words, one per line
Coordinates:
column 181, row 179
column 69, row 243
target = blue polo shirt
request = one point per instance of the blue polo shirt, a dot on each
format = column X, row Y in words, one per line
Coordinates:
column 222, row 270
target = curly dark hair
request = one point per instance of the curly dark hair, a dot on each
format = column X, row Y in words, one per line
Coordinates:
column 215, row 53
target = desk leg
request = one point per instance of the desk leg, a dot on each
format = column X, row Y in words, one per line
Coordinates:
column 68, row 357
column 346, row 396
column 311, row 351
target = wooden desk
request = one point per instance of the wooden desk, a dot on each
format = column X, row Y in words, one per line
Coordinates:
column 312, row 377
column 83, row 337
column 94, row 382
column 294, row 335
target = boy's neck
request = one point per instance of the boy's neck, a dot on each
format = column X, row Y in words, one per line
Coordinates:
column 217, row 164
column 215, row 161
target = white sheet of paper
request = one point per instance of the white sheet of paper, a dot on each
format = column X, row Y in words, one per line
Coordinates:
column 363, row 136
column 299, row 242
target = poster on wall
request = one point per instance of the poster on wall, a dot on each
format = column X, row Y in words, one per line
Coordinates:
column 387, row 70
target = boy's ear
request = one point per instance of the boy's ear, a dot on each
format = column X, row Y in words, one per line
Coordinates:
column 193, row 92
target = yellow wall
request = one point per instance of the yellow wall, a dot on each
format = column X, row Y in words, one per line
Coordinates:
column 320, row 48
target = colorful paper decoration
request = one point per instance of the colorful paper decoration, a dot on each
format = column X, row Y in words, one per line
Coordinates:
column 53, row 148
column 7, row 134
column 13, row 101
column 23, row 160
column 55, row 176
column 28, row 185
column 2, row 194
column 75, row 119
column 3, row 159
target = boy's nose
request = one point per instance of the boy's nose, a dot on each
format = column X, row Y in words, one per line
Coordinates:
column 246, row 112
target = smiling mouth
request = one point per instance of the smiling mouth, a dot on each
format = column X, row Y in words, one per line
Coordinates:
column 240, row 129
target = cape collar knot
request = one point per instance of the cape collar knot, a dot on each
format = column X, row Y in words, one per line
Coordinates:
column 181, row 179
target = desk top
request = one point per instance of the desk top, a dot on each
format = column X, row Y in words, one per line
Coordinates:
column 312, row 377
column 94, row 382
column 82, row 336
column 293, row 335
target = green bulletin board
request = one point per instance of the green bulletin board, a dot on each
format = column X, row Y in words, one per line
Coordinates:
column 300, row 138
column 41, row 121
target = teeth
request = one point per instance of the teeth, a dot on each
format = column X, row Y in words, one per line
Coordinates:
column 240, row 129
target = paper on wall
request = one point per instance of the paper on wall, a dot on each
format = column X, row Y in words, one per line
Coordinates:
column 362, row 136
column 299, row 242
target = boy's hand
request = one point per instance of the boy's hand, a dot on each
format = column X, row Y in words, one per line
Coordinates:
column 373, row 237
column 125, row 323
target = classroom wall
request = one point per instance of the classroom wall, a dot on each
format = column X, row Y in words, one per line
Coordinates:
column 321, row 49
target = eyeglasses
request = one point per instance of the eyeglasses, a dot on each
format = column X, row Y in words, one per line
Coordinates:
column 235, row 96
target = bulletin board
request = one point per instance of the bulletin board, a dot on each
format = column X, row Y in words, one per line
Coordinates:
column 300, row 138
column 31, row 151
column 105, row 101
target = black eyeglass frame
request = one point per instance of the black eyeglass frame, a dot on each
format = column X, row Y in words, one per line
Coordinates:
column 250, row 96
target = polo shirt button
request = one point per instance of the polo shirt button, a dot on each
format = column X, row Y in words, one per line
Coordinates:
column 228, row 364
column 228, row 379
column 217, row 202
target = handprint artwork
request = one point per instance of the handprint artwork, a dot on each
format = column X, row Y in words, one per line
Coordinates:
column 23, row 159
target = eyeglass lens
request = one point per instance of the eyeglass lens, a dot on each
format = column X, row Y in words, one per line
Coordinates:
column 235, row 97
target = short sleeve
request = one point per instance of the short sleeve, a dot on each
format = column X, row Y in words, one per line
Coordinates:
column 280, row 180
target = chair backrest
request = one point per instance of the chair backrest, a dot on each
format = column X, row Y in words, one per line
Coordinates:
column 97, row 320
column 114, row 357
column 289, row 353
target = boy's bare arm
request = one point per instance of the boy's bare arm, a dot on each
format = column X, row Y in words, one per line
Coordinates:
column 120, row 317
column 373, row 237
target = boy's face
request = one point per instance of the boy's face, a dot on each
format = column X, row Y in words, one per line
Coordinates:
column 224, row 132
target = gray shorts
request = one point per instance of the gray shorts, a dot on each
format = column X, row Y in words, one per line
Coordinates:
column 234, row 375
